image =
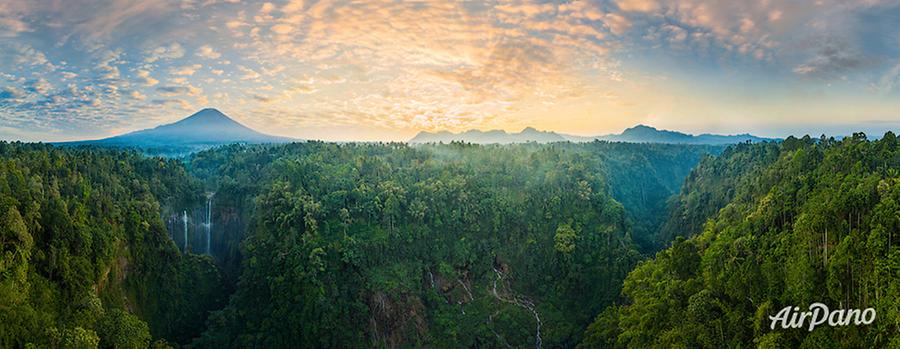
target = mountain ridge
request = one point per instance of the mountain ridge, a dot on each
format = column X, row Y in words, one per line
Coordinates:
column 529, row 134
column 637, row 134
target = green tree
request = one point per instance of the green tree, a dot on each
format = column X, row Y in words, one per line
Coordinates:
column 122, row 330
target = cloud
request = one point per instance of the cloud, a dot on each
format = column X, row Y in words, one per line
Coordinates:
column 25, row 55
column 249, row 74
column 261, row 98
column 208, row 52
column 267, row 8
column 425, row 64
column 182, row 89
column 617, row 24
column 172, row 90
column 146, row 79
column 10, row 24
column 293, row 6
column 235, row 24
column 526, row 9
column 137, row 95
column 41, row 86
column 187, row 70
column 11, row 94
column 282, row 29
column 116, row 16
column 107, row 65
column 304, row 89
column 889, row 80
column 507, row 73
column 832, row 60
column 638, row 5
column 178, row 103
column 172, row 51
column 193, row 90
column 462, row 55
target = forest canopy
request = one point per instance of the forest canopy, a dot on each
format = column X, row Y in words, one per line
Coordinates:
column 448, row 245
column 437, row 245
column 789, row 224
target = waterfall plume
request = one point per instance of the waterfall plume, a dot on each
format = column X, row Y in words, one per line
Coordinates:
column 208, row 224
column 185, row 220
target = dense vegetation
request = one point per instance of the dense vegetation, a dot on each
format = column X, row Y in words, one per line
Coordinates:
column 84, row 257
column 445, row 246
column 776, row 225
column 440, row 246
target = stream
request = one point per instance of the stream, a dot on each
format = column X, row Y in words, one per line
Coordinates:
column 520, row 301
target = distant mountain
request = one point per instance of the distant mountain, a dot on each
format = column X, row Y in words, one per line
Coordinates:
column 647, row 134
column 489, row 137
column 206, row 128
column 637, row 134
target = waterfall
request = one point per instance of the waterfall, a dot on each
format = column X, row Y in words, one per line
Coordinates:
column 208, row 222
column 185, row 220
column 520, row 301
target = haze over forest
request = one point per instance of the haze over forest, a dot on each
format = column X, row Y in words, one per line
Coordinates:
column 449, row 174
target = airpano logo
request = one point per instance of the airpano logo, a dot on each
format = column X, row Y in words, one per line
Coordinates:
column 818, row 314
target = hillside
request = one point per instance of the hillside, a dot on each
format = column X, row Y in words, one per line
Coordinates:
column 86, row 259
column 448, row 245
column 808, row 220
column 440, row 246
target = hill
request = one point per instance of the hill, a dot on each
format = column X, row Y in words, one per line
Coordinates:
column 771, row 226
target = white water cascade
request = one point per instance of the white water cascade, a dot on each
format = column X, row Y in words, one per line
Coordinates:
column 520, row 301
column 185, row 220
column 208, row 224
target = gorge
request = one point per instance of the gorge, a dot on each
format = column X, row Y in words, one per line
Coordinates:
column 448, row 245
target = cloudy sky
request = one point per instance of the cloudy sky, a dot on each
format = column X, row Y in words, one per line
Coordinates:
column 383, row 70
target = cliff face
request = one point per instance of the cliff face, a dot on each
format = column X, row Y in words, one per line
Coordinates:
column 92, row 255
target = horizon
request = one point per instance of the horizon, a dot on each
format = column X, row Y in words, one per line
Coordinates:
column 871, row 134
column 385, row 71
column 506, row 132
column 449, row 173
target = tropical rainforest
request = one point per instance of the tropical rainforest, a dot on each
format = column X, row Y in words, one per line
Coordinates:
column 766, row 226
column 391, row 245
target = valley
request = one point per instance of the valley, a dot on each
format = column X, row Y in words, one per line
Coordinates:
column 565, row 174
column 454, row 245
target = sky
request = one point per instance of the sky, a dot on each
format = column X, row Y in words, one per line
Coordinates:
column 384, row 70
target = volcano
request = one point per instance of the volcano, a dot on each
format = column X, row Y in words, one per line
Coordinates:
column 206, row 128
